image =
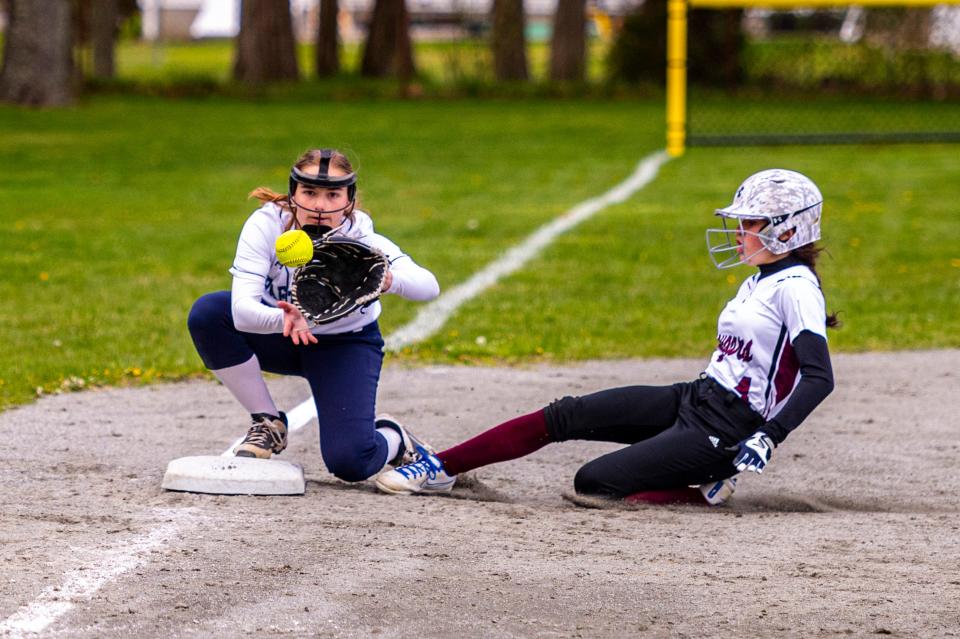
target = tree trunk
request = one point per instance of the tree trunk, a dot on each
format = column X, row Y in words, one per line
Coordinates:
column 902, row 29
column 388, row 50
column 103, row 34
column 38, row 58
column 508, row 41
column 568, row 46
column 328, row 47
column 265, row 49
column 714, row 56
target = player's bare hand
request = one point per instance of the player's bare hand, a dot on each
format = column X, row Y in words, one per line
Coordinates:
column 295, row 326
column 387, row 281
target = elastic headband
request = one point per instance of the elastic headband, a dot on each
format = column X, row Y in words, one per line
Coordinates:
column 322, row 179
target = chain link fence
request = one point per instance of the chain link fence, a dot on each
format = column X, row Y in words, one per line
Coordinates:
column 849, row 74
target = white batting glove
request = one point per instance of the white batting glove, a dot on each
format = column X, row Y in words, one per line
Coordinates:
column 754, row 452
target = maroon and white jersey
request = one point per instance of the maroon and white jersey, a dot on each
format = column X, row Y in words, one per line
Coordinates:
column 755, row 332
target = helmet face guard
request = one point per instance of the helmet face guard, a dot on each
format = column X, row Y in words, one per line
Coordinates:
column 722, row 243
column 323, row 180
column 787, row 200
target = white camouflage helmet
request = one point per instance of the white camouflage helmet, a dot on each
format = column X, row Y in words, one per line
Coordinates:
column 787, row 199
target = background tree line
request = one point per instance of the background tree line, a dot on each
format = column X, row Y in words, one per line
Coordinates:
column 40, row 66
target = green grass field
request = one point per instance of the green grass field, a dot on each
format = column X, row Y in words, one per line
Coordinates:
column 116, row 214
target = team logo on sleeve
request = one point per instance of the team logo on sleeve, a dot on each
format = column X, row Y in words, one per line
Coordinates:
column 730, row 345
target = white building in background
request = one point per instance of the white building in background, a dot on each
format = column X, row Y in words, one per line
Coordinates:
column 168, row 19
column 945, row 32
column 216, row 19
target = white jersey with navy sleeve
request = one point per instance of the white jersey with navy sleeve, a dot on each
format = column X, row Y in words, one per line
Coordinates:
column 755, row 332
column 259, row 280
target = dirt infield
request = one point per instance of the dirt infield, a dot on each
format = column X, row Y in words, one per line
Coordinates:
column 853, row 530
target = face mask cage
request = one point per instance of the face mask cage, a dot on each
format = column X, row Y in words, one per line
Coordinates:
column 298, row 205
column 722, row 242
column 323, row 180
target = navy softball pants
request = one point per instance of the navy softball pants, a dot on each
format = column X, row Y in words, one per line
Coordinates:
column 678, row 435
column 343, row 372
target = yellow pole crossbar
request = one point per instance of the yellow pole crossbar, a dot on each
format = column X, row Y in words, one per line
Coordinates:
column 813, row 4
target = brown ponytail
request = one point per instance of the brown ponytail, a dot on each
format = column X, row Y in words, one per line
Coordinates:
column 265, row 194
column 808, row 255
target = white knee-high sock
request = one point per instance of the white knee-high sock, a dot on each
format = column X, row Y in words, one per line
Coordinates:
column 393, row 441
column 246, row 383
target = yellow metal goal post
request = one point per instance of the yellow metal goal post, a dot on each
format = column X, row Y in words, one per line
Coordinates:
column 677, row 37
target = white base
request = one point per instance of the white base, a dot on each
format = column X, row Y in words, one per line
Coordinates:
column 221, row 475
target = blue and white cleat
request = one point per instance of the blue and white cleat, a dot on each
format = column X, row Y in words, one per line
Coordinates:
column 719, row 492
column 423, row 476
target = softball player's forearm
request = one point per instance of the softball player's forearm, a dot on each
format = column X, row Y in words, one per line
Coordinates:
column 249, row 314
column 412, row 281
column 816, row 382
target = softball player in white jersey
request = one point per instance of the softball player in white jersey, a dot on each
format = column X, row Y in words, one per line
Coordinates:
column 687, row 441
column 254, row 328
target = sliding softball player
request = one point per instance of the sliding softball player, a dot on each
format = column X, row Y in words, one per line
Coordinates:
column 770, row 369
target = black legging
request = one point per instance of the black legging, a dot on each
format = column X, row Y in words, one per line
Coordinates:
column 677, row 435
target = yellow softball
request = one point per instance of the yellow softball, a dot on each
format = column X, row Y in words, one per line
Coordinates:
column 294, row 248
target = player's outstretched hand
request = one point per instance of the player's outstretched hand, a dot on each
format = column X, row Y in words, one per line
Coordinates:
column 753, row 452
column 295, row 326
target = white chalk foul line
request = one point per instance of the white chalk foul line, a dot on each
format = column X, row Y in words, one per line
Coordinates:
column 435, row 314
column 79, row 585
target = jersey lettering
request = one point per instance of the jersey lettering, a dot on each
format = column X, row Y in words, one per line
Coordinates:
column 733, row 345
column 274, row 288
